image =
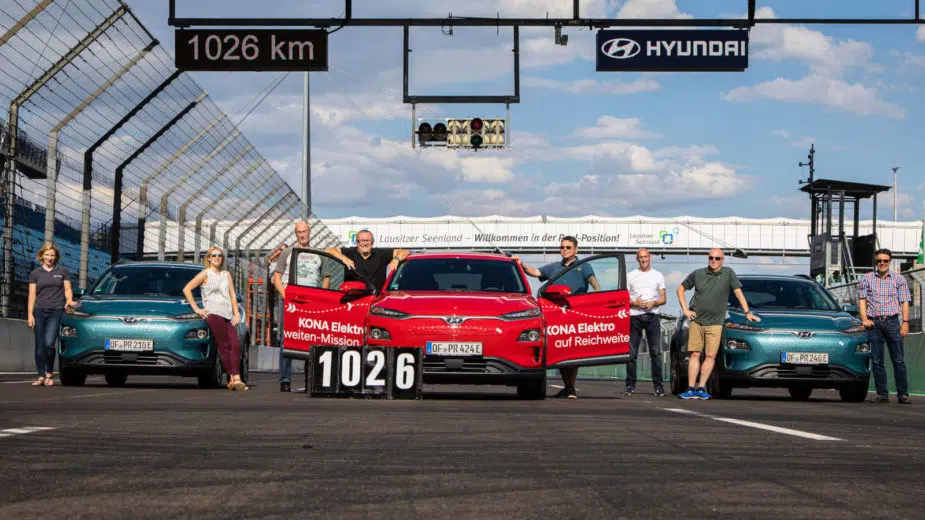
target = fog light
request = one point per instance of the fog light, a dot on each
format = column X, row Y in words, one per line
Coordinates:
column 862, row 348
column 379, row 333
column 531, row 335
column 197, row 334
column 68, row 332
column 736, row 344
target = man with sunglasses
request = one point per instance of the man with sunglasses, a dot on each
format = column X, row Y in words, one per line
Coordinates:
column 707, row 314
column 882, row 295
column 578, row 280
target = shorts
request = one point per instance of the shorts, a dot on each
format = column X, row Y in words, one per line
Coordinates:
column 700, row 336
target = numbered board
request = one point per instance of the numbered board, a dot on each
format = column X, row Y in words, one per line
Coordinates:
column 365, row 372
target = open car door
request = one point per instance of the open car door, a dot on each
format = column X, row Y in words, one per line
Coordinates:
column 325, row 304
column 587, row 314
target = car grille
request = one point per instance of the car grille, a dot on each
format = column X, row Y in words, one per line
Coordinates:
column 151, row 359
column 475, row 365
column 793, row 372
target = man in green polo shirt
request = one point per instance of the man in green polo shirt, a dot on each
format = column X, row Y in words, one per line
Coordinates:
column 711, row 286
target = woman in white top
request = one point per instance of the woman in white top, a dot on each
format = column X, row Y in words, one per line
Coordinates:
column 220, row 312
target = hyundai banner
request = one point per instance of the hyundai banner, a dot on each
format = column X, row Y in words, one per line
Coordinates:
column 672, row 50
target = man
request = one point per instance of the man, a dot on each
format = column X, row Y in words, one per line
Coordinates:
column 308, row 273
column 711, row 286
column 372, row 263
column 578, row 280
column 647, row 293
column 882, row 294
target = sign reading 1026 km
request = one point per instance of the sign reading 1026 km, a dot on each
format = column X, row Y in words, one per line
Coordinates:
column 251, row 49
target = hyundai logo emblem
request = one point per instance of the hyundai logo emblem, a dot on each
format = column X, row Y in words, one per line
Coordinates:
column 621, row 48
column 804, row 334
column 129, row 320
column 454, row 320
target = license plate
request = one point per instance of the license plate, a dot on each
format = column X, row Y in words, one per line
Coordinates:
column 805, row 358
column 130, row 345
column 454, row 348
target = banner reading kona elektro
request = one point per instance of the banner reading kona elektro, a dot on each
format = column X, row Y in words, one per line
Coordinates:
column 672, row 50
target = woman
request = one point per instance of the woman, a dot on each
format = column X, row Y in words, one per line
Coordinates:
column 49, row 296
column 220, row 312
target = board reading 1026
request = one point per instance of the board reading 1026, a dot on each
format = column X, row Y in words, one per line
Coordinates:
column 251, row 49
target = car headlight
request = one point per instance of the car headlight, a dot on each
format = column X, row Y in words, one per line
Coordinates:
column 389, row 313
column 855, row 329
column 185, row 317
column 529, row 335
column 78, row 314
column 68, row 332
column 521, row 315
column 197, row 334
column 379, row 333
column 862, row 348
column 744, row 326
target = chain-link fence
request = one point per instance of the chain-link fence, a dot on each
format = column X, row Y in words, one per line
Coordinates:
column 111, row 153
column 847, row 294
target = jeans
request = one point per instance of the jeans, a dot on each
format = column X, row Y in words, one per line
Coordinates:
column 285, row 365
column 887, row 331
column 47, row 326
column 652, row 326
column 229, row 345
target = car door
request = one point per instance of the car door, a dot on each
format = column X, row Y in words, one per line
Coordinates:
column 325, row 304
column 587, row 328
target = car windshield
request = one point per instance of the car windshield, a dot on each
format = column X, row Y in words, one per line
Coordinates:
column 785, row 294
column 457, row 274
column 145, row 281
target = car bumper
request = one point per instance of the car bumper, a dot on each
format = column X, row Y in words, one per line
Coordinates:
column 777, row 375
column 476, row 371
column 141, row 363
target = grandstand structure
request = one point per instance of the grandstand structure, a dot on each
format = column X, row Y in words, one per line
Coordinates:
column 100, row 136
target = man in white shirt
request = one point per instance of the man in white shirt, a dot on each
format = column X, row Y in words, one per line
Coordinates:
column 647, row 293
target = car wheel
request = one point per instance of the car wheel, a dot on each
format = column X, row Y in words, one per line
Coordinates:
column 214, row 378
column 676, row 378
column 800, row 392
column 245, row 359
column 72, row 377
column 116, row 378
column 532, row 390
column 855, row 393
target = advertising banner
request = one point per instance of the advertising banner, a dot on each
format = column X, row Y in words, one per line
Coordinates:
column 714, row 50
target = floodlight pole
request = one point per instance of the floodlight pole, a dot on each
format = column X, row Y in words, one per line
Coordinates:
column 306, row 149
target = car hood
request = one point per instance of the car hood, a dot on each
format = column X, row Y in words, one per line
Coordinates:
column 799, row 320
column 441, row 303
column 134, row 305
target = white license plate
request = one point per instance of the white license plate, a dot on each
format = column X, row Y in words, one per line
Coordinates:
column 805, row 358
column 130, row 345
column 454, row 348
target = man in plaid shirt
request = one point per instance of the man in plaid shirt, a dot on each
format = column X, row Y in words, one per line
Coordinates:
column 884, row 295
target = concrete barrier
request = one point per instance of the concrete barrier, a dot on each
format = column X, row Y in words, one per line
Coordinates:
column 17, row 346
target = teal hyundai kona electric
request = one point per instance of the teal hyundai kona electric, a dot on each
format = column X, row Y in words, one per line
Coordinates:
column 136, row 321
column 804, row 341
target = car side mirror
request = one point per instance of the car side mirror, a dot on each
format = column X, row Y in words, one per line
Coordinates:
column 851, row 309
column 557, row 291
column 353, row 288
column 78, row 293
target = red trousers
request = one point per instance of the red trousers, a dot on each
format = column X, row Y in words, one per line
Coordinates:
column 229, row 346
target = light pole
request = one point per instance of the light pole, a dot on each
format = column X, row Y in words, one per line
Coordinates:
column 895, row 193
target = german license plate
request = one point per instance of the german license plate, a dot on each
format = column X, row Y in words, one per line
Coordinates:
column 130, row 345
column 454, row 348
column 805, row 358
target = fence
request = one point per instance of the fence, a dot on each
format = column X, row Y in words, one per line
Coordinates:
column 104, row 145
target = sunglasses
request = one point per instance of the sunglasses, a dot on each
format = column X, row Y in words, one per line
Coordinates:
column 883, row 261
column 567, row 248
column 716, row 258
column 216, row 255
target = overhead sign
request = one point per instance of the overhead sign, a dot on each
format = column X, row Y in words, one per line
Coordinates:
column 672, row 50
column 251, row 49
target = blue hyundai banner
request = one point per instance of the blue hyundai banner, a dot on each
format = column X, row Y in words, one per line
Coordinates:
column 672, row 50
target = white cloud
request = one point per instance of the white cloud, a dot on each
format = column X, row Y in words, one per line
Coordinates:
column 802, row 142
column 610, row 127
column 483, row 202
column 650, row 9
column 920, row 33
column 593, row 86
column 855, row 98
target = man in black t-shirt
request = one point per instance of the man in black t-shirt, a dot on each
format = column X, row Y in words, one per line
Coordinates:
column 373, row 263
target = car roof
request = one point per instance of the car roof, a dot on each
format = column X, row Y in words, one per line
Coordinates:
column 774, row 277
column 460, row 254
column 157, row 263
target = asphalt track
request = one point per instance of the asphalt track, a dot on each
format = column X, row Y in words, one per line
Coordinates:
column 161, row 448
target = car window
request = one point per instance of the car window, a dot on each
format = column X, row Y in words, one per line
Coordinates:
column 457, row 274
column 596, row 275
column 319, row 271
column 145, row 281
column 785, row 294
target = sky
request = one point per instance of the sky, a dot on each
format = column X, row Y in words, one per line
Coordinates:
column 706, row 144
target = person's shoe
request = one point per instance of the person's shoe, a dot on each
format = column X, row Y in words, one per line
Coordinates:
column 690, row 394
column 881, row 399
column 285, row 386
column 572, row 394
column 659, row 392
column 904, row 400
column 629, row 390
column 562, row 394
column 702, row 392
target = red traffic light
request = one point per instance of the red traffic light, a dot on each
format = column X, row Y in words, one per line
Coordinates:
column 476, row 125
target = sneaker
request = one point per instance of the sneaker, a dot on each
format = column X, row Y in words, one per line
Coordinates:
column 904, row 400
column 659, row 392
column 572, row 394
column 881, row 399
column 629, row 390
column 285, row 386
column 702, row 392
column 690, row 394
column 562, row 394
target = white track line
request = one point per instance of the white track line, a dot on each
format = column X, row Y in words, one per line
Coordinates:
column 760, row 426
column 9, row 432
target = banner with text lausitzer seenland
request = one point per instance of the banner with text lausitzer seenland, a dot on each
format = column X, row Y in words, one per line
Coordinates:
column 714, row 50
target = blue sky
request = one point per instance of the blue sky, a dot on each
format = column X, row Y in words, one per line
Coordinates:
column 587, row 142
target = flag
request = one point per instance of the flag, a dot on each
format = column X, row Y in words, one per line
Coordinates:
column 921, row 259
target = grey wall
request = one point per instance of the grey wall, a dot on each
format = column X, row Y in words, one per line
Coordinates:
column 17, row 346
